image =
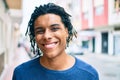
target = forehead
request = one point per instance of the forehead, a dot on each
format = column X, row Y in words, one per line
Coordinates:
column 48, row 18
column 48, row 21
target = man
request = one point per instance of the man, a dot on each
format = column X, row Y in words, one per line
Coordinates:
column 50, row 31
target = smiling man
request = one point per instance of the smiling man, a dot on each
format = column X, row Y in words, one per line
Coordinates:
column 50, row 32
column 50, row 35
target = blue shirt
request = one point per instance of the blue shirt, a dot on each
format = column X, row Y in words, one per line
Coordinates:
column 33, row 70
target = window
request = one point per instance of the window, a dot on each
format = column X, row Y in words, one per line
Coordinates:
column 0, row 34
column 85, row 8
column 99, row 6
column 85, row 15
column 99, row 10
column 98, row 3
column 117, row 5
column 85, row 5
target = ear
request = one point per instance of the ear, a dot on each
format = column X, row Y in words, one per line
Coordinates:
column 67, row 34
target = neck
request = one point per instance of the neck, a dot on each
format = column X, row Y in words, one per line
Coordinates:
column 61, row 63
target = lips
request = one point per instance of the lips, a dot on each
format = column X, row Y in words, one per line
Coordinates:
column 50, row 45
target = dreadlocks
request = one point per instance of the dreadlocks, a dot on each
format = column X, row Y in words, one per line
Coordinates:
column 45, row 9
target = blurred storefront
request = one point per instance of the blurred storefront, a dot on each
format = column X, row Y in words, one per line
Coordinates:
column 103, row 17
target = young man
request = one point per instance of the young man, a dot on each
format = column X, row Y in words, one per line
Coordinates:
column 50, row 31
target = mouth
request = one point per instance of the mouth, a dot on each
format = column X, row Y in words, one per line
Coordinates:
column 50, row 45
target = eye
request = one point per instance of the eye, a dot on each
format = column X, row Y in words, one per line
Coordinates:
column 39, row 31
column 55, row 29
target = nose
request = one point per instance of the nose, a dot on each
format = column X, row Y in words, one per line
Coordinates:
column 47, row 35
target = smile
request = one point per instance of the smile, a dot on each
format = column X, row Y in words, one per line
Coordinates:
column 50, row 45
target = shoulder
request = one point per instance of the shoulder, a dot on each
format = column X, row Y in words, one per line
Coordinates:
column 22, row 70
column 86, row 68
column 27, row 65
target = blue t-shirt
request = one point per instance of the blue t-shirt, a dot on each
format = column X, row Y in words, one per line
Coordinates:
column 33, row 70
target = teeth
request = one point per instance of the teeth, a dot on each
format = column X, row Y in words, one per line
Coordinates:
column 49, row 45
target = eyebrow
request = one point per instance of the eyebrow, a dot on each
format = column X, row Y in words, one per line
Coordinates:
column 54, row 25
column 50, row 26
column 38, row 28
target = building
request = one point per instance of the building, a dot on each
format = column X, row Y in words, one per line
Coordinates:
column 103, row 18
column 10, row 18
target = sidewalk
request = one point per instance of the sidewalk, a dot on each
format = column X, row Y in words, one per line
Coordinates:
column 105, row 57
column 19, row 57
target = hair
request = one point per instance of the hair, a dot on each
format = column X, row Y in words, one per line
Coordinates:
column 46, row 9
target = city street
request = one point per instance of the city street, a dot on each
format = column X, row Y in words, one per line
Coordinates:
column 91, row 25
column 107, row 66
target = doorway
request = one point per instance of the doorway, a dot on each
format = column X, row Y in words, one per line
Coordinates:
column 105, row 42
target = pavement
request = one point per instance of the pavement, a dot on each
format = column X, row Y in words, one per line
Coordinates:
column 107, row 66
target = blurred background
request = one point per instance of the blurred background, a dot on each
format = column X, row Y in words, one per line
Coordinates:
column 96, row 21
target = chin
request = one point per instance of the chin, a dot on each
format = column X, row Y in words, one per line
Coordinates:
column 50, row 55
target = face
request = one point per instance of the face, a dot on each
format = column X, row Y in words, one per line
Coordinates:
column 50, row 35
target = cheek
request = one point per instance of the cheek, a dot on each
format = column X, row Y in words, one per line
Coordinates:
column 63, row 38
column 37, row 38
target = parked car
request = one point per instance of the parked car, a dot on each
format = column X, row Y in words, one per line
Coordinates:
column 74, row 49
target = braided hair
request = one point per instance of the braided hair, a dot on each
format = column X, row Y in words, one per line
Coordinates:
column 45, row 9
